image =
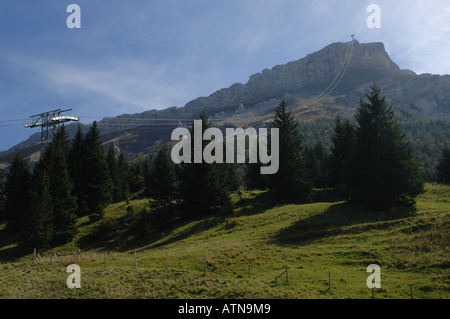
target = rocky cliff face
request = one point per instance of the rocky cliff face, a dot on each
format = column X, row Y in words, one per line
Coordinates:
column 298, row 82
column 423, row 95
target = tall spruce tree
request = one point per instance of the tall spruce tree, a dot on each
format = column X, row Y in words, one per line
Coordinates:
column 123, row 172
column 147, row 172
column 290, row 183
column 163, row 178
column 253, row 177
column 17, row 191
column 443, row 166
column 114, row 174
column 316, row 165
column 37, row 227
column 55, row 163
column 78, row 171
column 98, row 183
column 384, row 171
column 342, row 154
column 203, row 189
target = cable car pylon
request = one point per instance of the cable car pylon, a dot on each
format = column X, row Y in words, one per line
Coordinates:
column 49, row 121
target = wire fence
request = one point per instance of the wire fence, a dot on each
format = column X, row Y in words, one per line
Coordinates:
column 117, row 260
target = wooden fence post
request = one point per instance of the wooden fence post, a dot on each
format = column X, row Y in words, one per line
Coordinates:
column 167, row 260
column 105, row 258
column 287, row 277
column 135, row 260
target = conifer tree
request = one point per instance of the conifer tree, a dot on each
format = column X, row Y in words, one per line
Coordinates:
column 123, row 172
column 342, row 154
column 55, row 163
column 384, row 171
column 136, row 178
column 253, row 177
column 202, row 188
column 78, row 171
column 316, row 160
column 289, row 184
column 98, row 183
column 443, row 166
column 147, row 172
column 17, row 190
column 114, row 174
column 163, row 178
column 37, row 227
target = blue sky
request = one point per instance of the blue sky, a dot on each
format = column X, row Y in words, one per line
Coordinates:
column 132, row 56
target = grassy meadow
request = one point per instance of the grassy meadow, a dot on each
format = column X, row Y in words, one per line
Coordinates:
column 246, row 252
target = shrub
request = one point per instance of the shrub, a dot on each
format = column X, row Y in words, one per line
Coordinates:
column 231, row 222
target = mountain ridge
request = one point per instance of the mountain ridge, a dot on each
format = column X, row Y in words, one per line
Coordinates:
column 298, row 82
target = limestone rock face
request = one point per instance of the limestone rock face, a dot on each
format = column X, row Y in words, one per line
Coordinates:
column 426, row 95
column 298, row 81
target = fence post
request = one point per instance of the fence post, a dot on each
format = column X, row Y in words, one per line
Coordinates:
column 167, row 260
column 287, row 277
column 410, row 289
column 79, row 254
column 205, row 264
column 105, row 258
column 135, row 260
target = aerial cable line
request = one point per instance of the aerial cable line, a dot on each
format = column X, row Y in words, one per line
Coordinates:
column 338, row 76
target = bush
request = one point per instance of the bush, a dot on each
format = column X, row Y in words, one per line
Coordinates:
column 231, row 222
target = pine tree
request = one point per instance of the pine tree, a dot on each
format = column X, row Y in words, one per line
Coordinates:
column 202, row 188
column 385, row 173
column 342, row 154
column 136, row 178
column 253, row 177
column 98, row 183
column 163, row 178
column 37, row 227
column 316, row 160
column 443, row 166
column 78, row 171
column 17, row 193
column 114, row 174
column 289, row 184
column 55, row 163
column 123, row 172
column 147, row 172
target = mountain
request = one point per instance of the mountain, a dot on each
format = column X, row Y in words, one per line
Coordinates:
column 322, row 85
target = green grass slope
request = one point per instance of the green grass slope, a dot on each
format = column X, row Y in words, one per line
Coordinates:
column 246, row 252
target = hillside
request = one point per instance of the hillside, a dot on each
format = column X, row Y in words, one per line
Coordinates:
column 312, row 240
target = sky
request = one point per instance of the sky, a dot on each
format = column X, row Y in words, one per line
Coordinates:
column 133, row 56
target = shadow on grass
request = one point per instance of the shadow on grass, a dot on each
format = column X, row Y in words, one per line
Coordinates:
column 13, row 252
column 257, row 204
column 194, row 228
column 340, row 218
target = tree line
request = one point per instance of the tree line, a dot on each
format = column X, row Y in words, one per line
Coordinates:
column 369, row 162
